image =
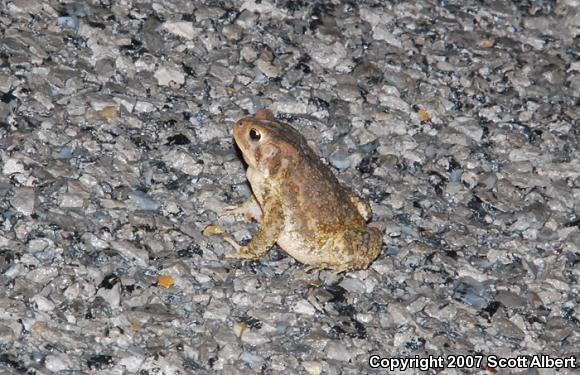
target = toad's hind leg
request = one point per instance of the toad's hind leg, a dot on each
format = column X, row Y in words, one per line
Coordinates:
column 355, row 249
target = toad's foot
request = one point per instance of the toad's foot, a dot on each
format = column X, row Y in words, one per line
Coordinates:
column 321, row 267
column 242, row 252
column 338, row 270
column 313, row 269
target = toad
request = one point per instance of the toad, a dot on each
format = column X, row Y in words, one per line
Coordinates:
column 298, row 201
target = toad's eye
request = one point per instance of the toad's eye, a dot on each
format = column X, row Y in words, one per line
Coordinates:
column 254, row 135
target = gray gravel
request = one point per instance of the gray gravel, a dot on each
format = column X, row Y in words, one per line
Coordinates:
column 458, row 121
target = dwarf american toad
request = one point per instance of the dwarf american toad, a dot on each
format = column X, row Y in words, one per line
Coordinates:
column 299, row 202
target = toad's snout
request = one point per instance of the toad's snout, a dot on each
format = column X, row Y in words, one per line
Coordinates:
column 240, row 133
column 240, row 124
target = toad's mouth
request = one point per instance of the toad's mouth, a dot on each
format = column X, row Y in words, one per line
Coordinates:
column 249, row 161
column 245, row 152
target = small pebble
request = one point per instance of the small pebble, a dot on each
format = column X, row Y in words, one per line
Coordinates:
column 70, row 22
column 143, row 201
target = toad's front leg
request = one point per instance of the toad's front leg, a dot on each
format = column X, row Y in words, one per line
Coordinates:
column 270, row 228
column 250, row 209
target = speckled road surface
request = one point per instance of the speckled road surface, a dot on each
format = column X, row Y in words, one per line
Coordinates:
column 458, row 121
